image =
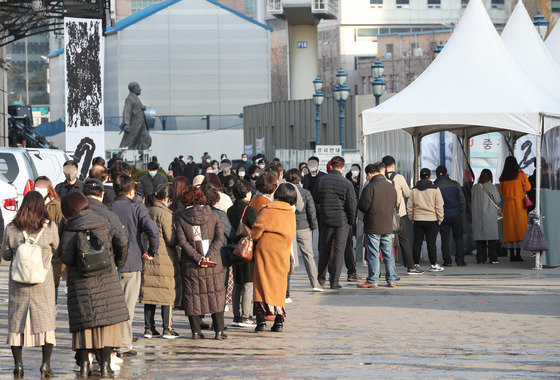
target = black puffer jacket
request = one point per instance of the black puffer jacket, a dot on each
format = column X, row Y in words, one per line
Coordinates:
column 94, row 301
column 306, row 218
column 336, row 200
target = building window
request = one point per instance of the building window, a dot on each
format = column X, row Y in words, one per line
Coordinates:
column 464, row 3
column 555, row 6
column 250, row 7
column 434, row 3
column 136, row 5
column 403, row 3
column 389, row 51
column 498, row 4
column 376, row 3
column 394, row 83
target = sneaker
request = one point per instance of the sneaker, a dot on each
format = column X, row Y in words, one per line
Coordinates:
column 169, row 334
column 151, row 333
column 288, row 300
column 414, row 271
column 391, row 285
column 236, row 321
column 494, row 262
column 247, row 322
column 353, row 278
column 318, row 290
column 366, row 285
column 436, row 268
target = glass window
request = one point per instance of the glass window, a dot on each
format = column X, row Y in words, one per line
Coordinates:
column 250, row 6
column 367, row 32
column 434, row 3
column 136, row 5
column 499, row 4
column 376, row 2
column 464, row 3
column 8, row 166
column 555, row 5
column 403, row 3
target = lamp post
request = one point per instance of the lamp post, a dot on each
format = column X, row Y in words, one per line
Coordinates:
column 438, row 49
column 541, row 24
column 318, row 98
column 341, row 93
column 378, row 84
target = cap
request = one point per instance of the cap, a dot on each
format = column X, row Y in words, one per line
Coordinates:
column 425, row 173
column 197, row 181
column 441, row 170
column 93, row 182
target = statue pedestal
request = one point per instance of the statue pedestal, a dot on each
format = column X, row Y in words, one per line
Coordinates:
column 138, row 158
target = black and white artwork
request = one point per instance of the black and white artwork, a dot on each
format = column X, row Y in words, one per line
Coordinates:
column 84, row 74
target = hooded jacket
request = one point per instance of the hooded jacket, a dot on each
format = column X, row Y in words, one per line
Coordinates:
column 453, row 197
column 425, row 202
column 94, row 301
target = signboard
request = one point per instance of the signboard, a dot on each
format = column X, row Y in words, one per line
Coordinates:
column 18, row 103
column 486, row 153
column 525, row 152
column 325, row 153
column 83, row 76
column 302, row 44
column 259, row 145
column 44, row 110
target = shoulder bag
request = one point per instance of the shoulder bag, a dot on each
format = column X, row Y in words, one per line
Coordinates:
column 27, row 266
column 526, row 201
column 93, row 258
column 498, row 209
column 244, row 248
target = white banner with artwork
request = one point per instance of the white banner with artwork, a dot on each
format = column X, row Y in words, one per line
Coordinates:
column 84, row 48
column 259, row 145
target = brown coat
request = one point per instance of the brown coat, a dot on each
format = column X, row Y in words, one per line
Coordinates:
column 161, row 277
column 514, row 224
column 258, row 202
column 203, row 288
column 272, row 233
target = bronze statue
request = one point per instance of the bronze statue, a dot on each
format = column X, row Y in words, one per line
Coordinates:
column 135, row 128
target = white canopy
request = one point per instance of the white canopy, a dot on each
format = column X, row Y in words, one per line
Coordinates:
column 473, row 85
column 530, row 53
column 553, row 43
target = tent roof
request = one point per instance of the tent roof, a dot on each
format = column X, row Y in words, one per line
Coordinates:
column 473, row 85
column 553, row 43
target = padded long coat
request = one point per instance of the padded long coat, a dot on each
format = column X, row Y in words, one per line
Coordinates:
column 272, row 234
column 95, row 301
column 203, row 288
column 161, row 277
column 514, row 223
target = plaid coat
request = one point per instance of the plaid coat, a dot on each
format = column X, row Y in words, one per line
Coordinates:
column 38, row 299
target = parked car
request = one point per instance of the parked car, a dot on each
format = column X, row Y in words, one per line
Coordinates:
column 17, row 166
column 8, row 202
column 49, row 162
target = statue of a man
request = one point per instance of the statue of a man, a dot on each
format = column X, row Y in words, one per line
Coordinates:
column 135, row 128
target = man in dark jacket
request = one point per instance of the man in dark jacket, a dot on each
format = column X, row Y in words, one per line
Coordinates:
column 378, row 203
column 453, row 206
column 71, row 184
column 136, row 221
column 225, row 172
column 191, row 170
column 94, row 191
column 336, row 208
column 310, row 180
column 149, row 182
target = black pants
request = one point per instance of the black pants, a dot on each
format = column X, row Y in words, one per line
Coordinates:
column 217, row 322
column 486, row 249
column 430, row 231
column 402, row 235
column 150, row 312
column 455, row 225
column 336, row 238
column 349, row 259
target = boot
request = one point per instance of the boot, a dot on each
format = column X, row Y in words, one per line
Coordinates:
column 85, row 367
column 220, row 335
column 518, row 254
column 45, row 369
column 17, row 352
column 261, row 324
column 105, row 363
column 278, row 324
column 515, row 255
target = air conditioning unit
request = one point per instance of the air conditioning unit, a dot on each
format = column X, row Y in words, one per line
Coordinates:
column 418, row 52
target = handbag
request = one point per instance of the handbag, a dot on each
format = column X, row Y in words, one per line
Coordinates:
column 526, row 201
column 498, row 209
column 93, row 258
column 27, row 266
column 534, row 240
column 244, row 248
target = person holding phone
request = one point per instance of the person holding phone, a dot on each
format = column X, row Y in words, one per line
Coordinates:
column 200, row 236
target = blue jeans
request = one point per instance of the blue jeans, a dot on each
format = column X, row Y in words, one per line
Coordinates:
column 373, row 244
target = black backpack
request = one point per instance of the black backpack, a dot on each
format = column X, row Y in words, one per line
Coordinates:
column 93, row 258
column 396, row 216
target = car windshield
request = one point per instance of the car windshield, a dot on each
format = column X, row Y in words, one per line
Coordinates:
column 34, row 172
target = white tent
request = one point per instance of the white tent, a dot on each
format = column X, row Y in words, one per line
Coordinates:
column 474, row 85
column 553, row 43
column 530, row 53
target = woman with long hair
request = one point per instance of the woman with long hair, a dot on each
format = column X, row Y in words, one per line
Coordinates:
column 161, row 276
column 485, row 212
column 96, row 304
column 31, row 308
column 513, row 185
column 178, row 184
column 200, row 236
column 213, row 180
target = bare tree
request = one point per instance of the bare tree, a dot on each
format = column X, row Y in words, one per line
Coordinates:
column 279, row 65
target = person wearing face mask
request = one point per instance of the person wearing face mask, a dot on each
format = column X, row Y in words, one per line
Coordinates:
column 191, row 170
column 206, row 160
column 72, row 184
column 241, row 173
column 303, row 169
column 261, row 163
column 149, row 182
column 245, row 164
column 310, row 180
column 226, row 172
column 354, row 176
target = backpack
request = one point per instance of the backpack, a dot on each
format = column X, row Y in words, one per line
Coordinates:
column 396, row 215
column 93, row 258
column 27, row 266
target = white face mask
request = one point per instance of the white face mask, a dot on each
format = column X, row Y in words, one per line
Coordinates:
column 42, row 190
column 262, row 166
column 257, row 174
column 244, row 159
column 355, row 173
column 241, row 173
column 152, row 173
column 312, row 168
column 207, row 160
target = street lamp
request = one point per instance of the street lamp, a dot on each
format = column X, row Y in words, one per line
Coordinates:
column 318, row 98
column 377, row 84
column 438, row 49
column 341, row 93
column 541, row 24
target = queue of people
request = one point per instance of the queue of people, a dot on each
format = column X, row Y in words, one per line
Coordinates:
column 173, row 246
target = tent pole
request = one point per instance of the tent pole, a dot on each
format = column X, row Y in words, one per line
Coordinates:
column 538, row 179
column 364, row 150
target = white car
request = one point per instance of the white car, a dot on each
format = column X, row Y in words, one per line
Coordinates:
column 49, row 162
column 8, row 201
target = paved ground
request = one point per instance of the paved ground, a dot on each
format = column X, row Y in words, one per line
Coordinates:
column 481, row 321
